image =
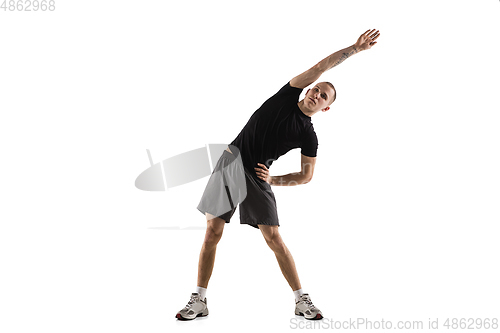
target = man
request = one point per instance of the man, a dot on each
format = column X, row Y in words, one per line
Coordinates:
column 241, row 175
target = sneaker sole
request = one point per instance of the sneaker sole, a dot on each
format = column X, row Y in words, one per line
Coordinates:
column 178, row 316
column 318, row 316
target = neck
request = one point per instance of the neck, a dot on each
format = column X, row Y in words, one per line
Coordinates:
column 305, row 110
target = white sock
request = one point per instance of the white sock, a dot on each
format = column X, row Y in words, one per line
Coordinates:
column 297, row 294
column 202, row 291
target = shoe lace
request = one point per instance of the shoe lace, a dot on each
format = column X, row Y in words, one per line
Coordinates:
column 192, row 300
column 309, row 303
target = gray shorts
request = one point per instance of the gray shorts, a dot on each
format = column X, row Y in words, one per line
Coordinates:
column 230, row 185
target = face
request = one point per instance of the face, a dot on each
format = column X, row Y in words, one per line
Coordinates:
column 319, row 97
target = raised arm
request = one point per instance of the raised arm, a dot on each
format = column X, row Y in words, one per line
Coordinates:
column 364, row 42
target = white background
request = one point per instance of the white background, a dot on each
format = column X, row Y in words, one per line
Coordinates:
column 400, row 221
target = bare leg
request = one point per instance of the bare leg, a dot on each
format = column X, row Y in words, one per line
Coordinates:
column 215, row 226
column 285, row 259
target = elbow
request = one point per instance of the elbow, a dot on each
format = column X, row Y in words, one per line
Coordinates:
column 320, row 67
column 307, row 179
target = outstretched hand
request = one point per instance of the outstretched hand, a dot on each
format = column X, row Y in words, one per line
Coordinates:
column 367, row 40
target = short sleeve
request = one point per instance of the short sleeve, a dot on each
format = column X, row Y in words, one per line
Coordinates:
column 287, row 93
column 288, row 90
column 309, row 145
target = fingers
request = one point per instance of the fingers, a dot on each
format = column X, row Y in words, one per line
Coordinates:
column 263, row 166
column 263, row 172
column 375, row 35
column 373, row 39
column 368, row 32
column 259, row 172
column 369, row 37
column 261, row 176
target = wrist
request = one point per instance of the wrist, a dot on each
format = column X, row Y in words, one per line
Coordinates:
column 357, row 48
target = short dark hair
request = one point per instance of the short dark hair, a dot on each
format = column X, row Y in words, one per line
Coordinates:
column 335, row 91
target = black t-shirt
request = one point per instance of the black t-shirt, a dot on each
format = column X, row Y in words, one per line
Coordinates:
column 274, row 129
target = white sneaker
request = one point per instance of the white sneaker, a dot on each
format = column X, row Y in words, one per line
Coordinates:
column 195, row 308
column 304, row 307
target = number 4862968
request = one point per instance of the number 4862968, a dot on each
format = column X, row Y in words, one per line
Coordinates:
column 28, row 5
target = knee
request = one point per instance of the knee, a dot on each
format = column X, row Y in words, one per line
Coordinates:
column 276, row 244
column 212, row 237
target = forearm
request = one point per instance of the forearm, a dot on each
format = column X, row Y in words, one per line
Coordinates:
column 337, row 58
column 290, row 179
